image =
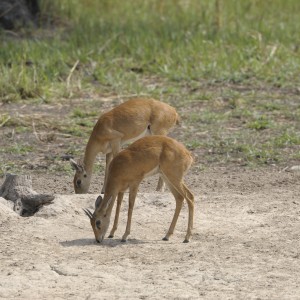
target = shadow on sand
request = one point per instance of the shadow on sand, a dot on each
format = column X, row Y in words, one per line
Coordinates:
column 105, row 243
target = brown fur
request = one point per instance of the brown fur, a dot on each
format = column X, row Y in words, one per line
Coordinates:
column 118, row 126
column 127, row 170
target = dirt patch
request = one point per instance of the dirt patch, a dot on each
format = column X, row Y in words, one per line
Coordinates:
column 246, row 236
column 245, row 243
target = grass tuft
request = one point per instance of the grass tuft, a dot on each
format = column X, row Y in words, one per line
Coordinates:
column 231, row 68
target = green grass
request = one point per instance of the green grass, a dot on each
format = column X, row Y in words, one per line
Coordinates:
column 260, row 123
column 18, row 149
column 79, row 113
column 193, row 144
column 231, row 72
column 246, row 41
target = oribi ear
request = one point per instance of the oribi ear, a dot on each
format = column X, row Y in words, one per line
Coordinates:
column 98, row 202
column 76, row 166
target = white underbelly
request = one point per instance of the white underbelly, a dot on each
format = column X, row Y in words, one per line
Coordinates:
column 144, row 133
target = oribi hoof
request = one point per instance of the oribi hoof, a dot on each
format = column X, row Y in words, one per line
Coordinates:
column 110, row 236
column 165, row 239
column 123, row 241
column 186, row 241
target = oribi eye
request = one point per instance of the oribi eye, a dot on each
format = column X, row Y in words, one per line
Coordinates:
column 98, row 223
column 78, row 182
column 84, row 175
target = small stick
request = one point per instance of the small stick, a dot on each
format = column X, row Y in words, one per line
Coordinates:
column 71, row 72
column 272, row 52
column 5, row 121
column 35, row 133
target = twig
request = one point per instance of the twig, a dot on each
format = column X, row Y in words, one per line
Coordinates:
column 35, row 133
column 12, row 33
column 8, row 10
column 273, row 51
column 217, row 15
column 232, row 128
column 107, row 43
column 12, row 135
column 64, row 135
column 71, row 73
column 5, row 121
column 284, row 169
column 39, row 95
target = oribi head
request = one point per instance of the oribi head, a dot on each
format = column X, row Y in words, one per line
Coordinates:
column 81, row 179
column 99, row 220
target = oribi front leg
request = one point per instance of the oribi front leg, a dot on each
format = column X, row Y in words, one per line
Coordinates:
column 115, row 226
column 132, row 196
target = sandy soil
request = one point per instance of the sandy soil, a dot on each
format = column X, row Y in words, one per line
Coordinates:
column 245, row 243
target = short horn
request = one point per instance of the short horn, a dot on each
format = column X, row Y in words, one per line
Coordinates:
column 88, row 213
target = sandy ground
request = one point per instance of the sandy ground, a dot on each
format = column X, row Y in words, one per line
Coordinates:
column 246, row 243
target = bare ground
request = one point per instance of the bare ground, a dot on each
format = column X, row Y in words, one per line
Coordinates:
column 246, row 234
column 245, row 243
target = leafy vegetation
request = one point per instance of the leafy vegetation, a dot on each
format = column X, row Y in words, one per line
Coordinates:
column 231, row 68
